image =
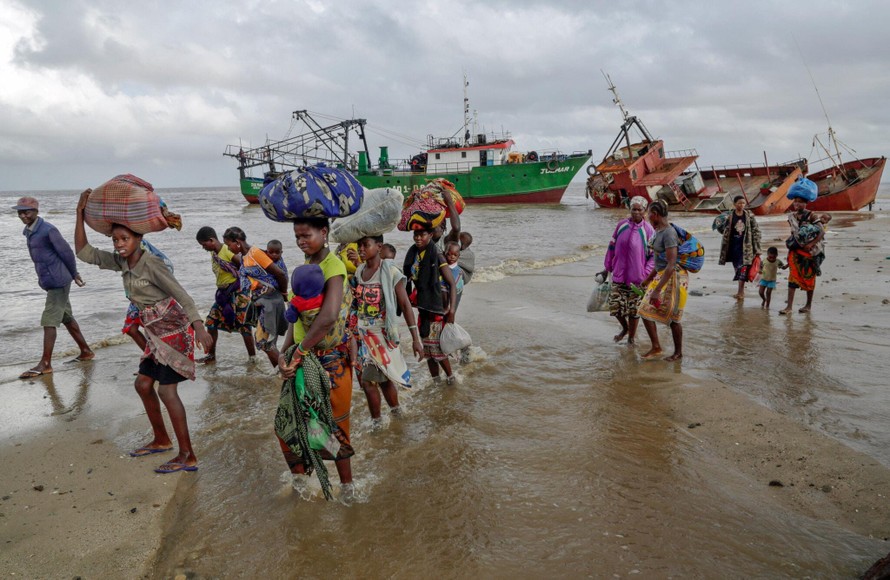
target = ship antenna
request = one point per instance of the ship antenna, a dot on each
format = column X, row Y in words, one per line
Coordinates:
column 466, row 111
column 616, row 99
column 832, row 138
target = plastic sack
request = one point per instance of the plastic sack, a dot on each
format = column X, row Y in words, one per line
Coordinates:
column 380, row 213
column 691, row 253
column 754, row 269
column 128, row 201
column 804, row 189
column 453, row 338
column 599, row 298
column 317, row 191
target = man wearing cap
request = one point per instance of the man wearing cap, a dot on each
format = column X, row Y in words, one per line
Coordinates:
column 56, row 268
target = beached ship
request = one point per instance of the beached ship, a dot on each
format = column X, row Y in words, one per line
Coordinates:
column 844, row 186
column 484, row 168
column 640, row 165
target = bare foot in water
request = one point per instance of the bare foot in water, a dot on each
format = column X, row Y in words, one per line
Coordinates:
column 738, row 296
column 631, row 342
column 654, row 352
column 674, row 357
column 785, row 311
column 804, row 310
column 620, row 336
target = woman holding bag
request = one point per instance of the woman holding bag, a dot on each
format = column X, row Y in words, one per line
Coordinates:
column 630, row 261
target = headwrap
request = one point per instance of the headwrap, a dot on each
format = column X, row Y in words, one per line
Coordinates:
column 640, row 200
column 803, row 189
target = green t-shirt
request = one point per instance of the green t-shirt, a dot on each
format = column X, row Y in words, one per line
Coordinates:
column 223, row 278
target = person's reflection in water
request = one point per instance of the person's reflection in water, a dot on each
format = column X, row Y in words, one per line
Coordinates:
column 70, row 412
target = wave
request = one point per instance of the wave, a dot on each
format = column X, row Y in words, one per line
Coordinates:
column 513, row 266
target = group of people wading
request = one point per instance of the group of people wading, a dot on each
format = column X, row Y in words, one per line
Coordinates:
column 648, row 282
column 339, row 319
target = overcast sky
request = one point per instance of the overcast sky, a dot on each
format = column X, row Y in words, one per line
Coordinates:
column 95, row 88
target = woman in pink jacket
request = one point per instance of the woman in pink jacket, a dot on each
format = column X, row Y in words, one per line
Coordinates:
column 630, row 260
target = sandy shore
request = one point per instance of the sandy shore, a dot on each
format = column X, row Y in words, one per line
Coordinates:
column 73, row 503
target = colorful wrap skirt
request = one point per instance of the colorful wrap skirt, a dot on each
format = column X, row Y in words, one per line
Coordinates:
column 673, row 298
column 432, row 348
column 803, row 268
column 336, row 365
column 231, row 311
column 171, row 338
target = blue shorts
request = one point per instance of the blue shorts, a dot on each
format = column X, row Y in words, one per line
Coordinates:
column 768, row 283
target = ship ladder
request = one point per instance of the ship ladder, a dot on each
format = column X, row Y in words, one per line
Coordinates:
column 678, row 193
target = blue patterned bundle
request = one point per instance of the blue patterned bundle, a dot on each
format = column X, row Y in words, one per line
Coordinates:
column 317, row 191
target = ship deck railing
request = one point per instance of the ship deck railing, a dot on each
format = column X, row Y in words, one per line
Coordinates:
column 681, row 153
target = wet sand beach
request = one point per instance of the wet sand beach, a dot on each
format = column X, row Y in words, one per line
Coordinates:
column 764, row 453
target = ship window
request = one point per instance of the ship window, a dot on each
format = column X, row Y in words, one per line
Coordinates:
column 438, row 156
column 633, row 174
column 463, row 154
column 661, row 152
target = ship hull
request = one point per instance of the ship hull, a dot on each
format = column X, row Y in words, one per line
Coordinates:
column 539, row 182
column 836, row 195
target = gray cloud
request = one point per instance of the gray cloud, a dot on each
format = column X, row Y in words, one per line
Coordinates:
column 96, row 88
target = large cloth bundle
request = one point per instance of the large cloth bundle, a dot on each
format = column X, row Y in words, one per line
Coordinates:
column 426, row 207
column 131, row 202
column 804, row 189
column 691, row 253
column 317, row 191
column 720, row 222
column 379, row 214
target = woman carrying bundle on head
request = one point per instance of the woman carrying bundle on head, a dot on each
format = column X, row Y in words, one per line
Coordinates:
column 322, row 332
column 806, row 245
column 171, row 322
column 425, row 268
column 667, row 284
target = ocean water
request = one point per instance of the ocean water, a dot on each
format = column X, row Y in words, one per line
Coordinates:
column 553, row 458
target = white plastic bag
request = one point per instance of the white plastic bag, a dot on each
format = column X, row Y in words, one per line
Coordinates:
column 599, row 298
column 379, row 214
column 453, row 338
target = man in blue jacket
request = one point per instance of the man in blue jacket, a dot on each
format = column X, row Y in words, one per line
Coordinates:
column 56, row 268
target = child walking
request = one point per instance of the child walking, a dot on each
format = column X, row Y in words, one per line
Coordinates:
column 378, row 293
column 768, row 272
column 171, row 322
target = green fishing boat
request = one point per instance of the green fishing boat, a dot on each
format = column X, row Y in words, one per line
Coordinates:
column 485, row 168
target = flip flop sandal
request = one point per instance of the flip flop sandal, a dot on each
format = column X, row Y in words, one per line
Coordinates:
column 143, row 451
column 174, row 467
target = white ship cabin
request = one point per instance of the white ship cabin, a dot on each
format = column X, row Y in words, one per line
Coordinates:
column 461, row 159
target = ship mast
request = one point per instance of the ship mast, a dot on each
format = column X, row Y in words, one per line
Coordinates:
column 616, row 99
column 466, row 112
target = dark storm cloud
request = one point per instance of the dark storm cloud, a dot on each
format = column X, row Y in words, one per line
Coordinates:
column 158, row 87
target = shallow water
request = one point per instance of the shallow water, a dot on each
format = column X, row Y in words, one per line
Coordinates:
column 555, row 457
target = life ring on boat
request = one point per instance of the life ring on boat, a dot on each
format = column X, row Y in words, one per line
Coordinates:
column 553, row 162
column 532, row 156
column 591, row 169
